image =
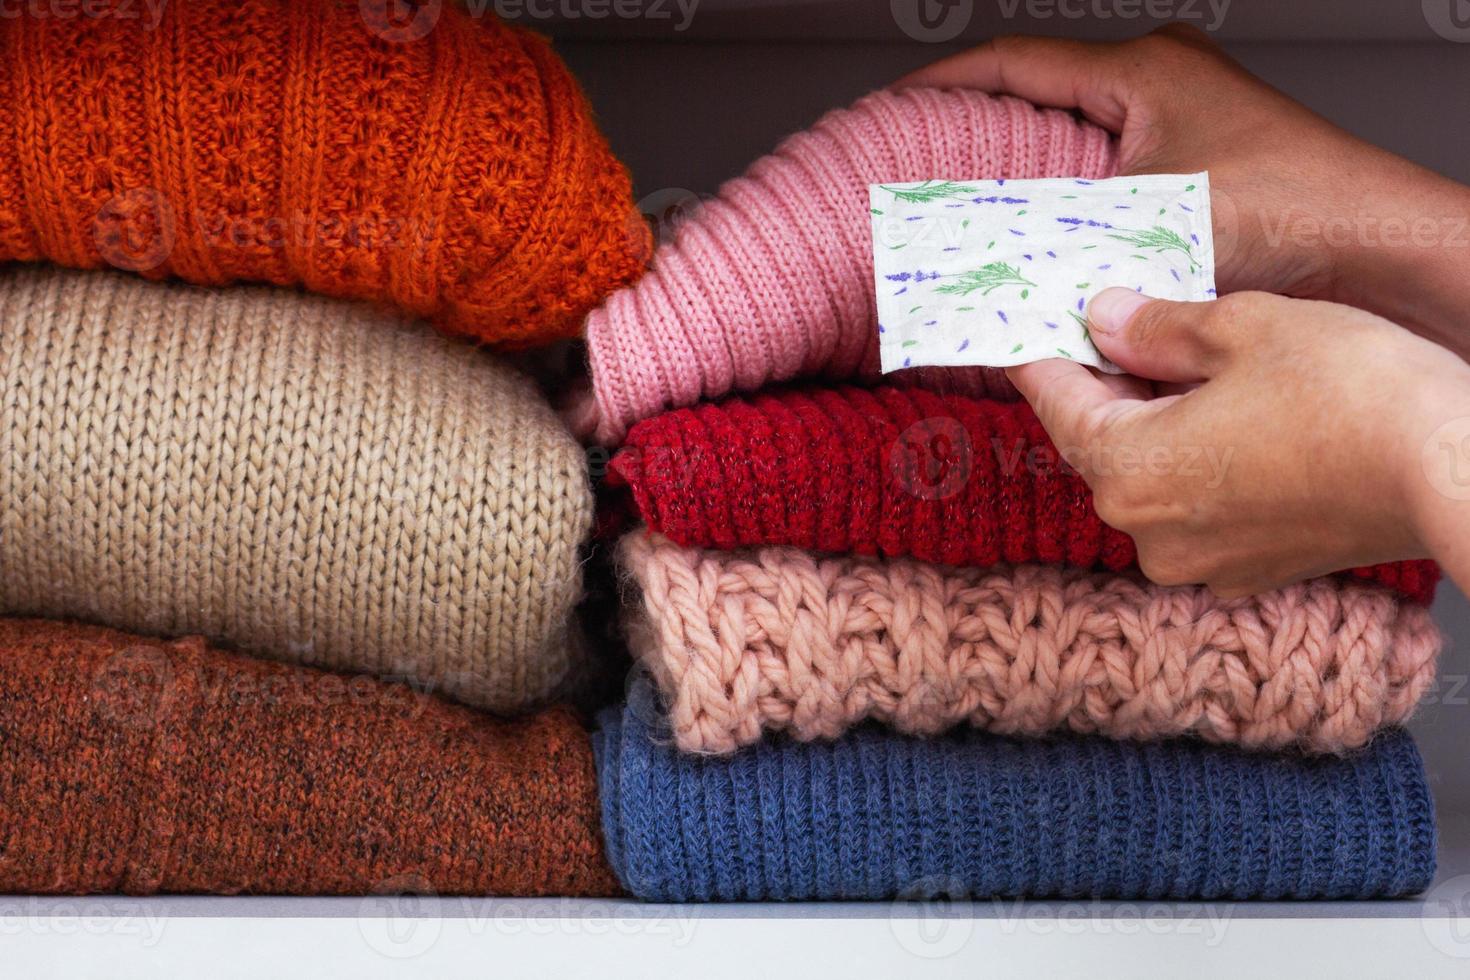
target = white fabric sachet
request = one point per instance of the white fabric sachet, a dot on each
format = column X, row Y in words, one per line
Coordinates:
column 999, row 272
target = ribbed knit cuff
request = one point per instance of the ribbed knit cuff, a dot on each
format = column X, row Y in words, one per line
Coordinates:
column 778, row 639
column 896, row 473
column 772, row 280
column 974, row 816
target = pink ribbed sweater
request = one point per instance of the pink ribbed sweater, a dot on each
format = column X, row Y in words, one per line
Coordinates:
column 773, row 279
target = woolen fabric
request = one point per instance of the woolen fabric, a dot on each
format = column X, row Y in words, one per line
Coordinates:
column 780, row 639
column 973, row 815
column 773, row 279
column 890, row 472
column 299, row 477
column 448, row 165
column 138, row 765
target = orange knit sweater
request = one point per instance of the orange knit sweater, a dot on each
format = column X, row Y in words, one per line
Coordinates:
column 449, row 166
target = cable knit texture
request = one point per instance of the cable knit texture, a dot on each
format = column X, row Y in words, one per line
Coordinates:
column 301, row 477
column 974, row 816
column 773, row 279
column 780, row 639
column 943, row 478
column 137, row 765
column 454, row 172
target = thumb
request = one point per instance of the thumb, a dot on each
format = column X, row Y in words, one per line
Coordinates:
column 1159, row 339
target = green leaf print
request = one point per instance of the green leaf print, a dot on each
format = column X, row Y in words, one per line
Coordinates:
column 929, row 191
column 986, row 279
column 1158, row 238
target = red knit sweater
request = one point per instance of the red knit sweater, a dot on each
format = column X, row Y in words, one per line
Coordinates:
column 893, row 472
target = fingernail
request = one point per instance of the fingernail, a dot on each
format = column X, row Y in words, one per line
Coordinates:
column 1111, row 309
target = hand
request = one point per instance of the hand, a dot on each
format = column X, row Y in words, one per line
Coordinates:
column 1300, row 207
column 1286, row 440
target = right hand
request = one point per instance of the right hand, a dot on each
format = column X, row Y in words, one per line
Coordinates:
column 1301, row 207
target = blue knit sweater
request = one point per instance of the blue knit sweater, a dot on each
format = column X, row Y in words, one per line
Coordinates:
column 877, row 815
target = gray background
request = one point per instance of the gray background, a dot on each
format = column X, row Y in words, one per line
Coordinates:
column 689, row 109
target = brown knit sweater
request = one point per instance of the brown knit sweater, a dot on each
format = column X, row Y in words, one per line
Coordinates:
column 139, row 766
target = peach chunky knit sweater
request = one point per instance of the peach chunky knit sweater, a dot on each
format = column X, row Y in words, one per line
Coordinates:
column 455, row 173
column 778, row 638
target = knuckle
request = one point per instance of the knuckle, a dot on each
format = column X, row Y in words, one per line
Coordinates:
column 1169, row 563
column 1250, row 305
column 1111, row 509
column 1146, row 327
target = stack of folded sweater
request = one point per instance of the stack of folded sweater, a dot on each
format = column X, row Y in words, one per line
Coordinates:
column 893, row 650
column 262, row 453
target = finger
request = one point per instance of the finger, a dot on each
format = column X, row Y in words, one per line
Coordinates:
column 1128, row 386
column 1067, row 397
column 1156, row 338
column 1048, row 71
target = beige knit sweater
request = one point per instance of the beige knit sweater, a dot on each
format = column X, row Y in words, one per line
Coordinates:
column 298, row 477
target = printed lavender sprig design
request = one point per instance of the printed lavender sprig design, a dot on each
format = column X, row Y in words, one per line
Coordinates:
column 1160, row 239
column 1001, row 271
column 930, row 191
column 987, row 279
